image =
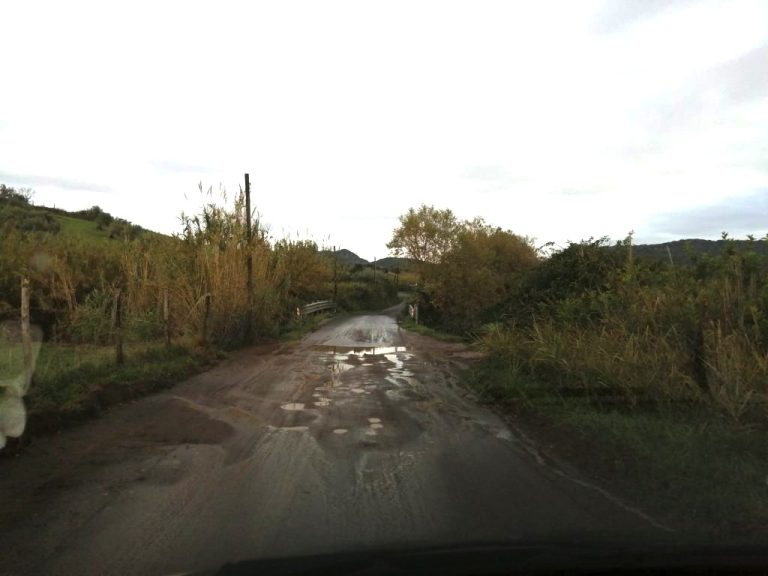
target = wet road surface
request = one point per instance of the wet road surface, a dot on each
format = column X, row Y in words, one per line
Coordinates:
column 357, row 436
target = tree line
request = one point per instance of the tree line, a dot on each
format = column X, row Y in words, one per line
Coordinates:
column 594, row 320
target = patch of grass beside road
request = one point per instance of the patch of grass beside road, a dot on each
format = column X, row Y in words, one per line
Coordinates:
column 697, row 472
column 74, row 381
column 96, row 381
column 299, row 328
column 409, row 324
column 71, row 381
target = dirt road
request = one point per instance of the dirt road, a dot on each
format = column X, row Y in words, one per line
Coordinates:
column 356, row 436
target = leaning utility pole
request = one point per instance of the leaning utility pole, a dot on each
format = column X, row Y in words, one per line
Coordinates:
column 248, row 262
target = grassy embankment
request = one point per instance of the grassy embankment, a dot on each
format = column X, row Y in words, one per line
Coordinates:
column 654, row 378
column 695, row 471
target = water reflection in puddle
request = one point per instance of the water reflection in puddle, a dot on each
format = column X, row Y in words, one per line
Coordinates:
column 395, row 360
column 342, row 387
column 293, row 406
column 360, row 351
column 294, row 428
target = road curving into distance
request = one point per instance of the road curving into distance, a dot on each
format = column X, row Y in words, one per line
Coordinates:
column 357, row 436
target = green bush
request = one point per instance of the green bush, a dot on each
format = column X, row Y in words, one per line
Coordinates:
column 624, row 333
column 27, row 219
column 366, row 295
column 91, row 321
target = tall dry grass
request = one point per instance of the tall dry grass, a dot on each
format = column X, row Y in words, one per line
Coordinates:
column 77, row 279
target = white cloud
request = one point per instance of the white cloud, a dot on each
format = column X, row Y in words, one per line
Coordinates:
column 559, row 120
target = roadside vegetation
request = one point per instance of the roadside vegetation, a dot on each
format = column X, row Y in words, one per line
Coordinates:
column 81, row 265
column 658, row 372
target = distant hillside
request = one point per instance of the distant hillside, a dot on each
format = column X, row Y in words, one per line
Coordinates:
column 17, row 212
column 680, row 250
column 347, row 257
column 392, row 262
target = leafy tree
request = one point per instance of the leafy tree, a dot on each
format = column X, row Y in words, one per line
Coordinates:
column 582, row 267
column 478, row 274
column 103, row 220
column 15, row 197
column 301, row 273
column 18, row 213
column 425, row 234
column 91, row 213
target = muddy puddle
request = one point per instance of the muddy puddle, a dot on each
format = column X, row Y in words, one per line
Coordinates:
column 359, row 350
column 341, row 361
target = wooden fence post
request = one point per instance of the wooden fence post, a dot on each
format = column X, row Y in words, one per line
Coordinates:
column 167, row 318
column 117, row 327
column 26, row 334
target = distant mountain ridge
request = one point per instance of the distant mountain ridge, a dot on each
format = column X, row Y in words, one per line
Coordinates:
column 679, row 251
column 349, row 258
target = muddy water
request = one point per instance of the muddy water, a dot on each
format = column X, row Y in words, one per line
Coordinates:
column 357, row 436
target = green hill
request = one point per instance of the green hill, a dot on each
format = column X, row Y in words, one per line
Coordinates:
column 17, row 212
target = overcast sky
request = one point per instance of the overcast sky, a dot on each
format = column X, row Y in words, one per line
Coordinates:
column 557, row 120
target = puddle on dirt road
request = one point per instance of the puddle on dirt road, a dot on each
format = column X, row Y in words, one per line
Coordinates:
column 294, row 428
column 359, row 350
column 293, row 406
